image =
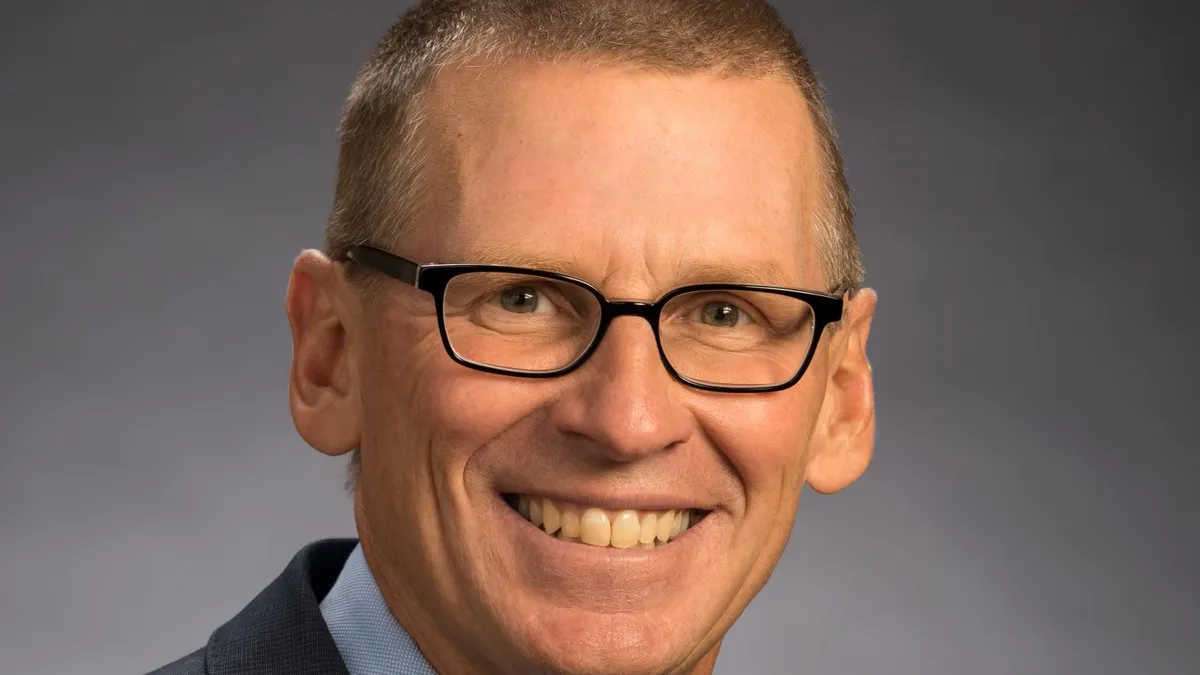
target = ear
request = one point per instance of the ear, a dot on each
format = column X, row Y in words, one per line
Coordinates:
column 844, row 438
column 322, row 390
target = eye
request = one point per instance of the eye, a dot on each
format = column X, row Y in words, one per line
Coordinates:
column 723, row 314
column 523, row 300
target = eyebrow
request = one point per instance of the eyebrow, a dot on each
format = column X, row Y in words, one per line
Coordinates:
column 514, row 257
column 757, row 272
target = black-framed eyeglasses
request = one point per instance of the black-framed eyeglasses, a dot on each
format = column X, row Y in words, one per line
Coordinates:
column 532, row 323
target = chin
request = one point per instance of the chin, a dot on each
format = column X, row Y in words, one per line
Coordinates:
column 567, row 642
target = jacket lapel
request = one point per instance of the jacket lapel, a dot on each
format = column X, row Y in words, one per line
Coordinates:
column 282, row 631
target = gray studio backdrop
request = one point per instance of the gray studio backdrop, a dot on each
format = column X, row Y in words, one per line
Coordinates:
column 1024, row 174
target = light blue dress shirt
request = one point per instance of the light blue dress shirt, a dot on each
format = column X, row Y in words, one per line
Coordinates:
column 369, row 638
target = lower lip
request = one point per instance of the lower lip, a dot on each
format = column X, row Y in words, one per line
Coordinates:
column 668, row 556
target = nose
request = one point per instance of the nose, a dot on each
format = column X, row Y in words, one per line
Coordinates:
column 623, row 399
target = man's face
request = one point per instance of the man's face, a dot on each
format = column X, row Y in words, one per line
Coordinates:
column 637, row 183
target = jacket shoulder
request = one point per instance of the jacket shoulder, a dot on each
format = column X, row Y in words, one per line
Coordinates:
column 192, row 664
column 282, row 630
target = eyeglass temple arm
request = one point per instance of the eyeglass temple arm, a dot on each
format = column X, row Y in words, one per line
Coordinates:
column 394, row 266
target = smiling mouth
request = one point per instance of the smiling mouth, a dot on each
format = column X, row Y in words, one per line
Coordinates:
column 602, row 528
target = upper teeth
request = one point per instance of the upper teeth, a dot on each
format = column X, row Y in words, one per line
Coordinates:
column 619, row 529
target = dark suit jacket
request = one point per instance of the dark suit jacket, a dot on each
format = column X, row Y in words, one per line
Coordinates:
column 281, row 632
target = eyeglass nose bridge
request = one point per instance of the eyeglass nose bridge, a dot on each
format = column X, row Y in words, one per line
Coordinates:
column 613, row 309
column 647, row 310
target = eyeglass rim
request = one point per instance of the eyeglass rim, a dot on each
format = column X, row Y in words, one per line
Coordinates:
column 433, row 278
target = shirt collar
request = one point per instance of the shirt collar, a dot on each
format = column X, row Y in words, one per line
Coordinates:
column 369, row 638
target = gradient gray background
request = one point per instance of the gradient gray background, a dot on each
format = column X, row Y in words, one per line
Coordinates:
column 1024, row 174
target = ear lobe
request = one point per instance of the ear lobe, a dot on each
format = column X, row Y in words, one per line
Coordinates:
column 844, row 440
column 322, row 391
column 837, row 467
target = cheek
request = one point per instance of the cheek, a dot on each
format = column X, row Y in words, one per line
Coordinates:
column 766, row 440
column 400, row 361
column 465, row 410
column 469, row 408
column 422, row 408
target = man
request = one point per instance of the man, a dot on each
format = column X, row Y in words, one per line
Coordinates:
column 589, row 317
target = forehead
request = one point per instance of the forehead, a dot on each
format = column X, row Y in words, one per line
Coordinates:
column 614, row 170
